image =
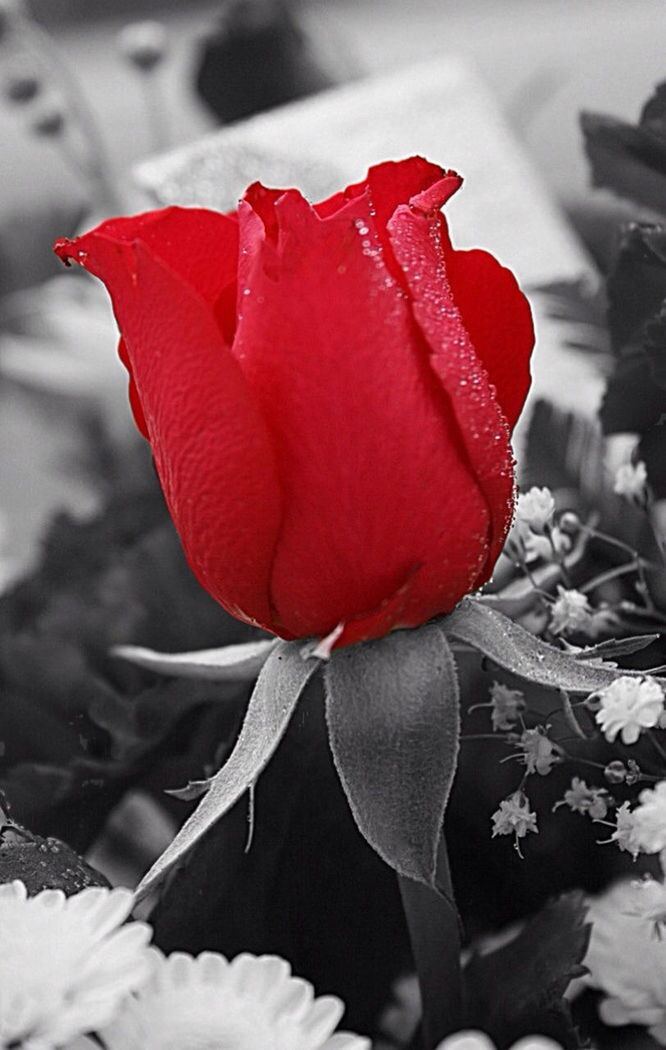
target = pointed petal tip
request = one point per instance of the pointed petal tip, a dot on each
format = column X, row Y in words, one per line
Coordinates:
column 435, row 196
column 64, row 249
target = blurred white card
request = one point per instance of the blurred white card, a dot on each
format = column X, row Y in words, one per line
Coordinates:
column 440, row 109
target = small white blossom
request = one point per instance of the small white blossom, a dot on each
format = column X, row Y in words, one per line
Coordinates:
column 539, row 753
column 650, row 819
column 535, row 509
column 631, row 482
column 625, row 830
column 514, row 817
column 249, row 1003
column 506, row 706
column 570, row 612
column 66, row 962
column 547, row 547
column 590, row 801
column 628, row 706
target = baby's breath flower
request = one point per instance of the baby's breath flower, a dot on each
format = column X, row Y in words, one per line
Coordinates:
column 66, row 962
column 631, row 482
column 590, row 801
column 628, row 706
column 649, row 818
column 570, row 612
column 535, row 509
column 625, row 830
column 209, row 1003
column 506, row 705
column 539, row 753
column 514, row 817
column 546, row 547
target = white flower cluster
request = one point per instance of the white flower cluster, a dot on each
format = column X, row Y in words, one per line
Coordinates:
column 642, row 829
column 71, row 966
column 514, row 817
column 592, row 802
column 534, row 535
column 628, row 706
column 631, row 482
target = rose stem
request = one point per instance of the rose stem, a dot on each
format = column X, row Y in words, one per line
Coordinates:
column 434, row 932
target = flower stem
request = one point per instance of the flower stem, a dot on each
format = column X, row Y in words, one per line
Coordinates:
column 434, row 931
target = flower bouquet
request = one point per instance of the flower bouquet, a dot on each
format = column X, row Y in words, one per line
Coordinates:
column 374, row 717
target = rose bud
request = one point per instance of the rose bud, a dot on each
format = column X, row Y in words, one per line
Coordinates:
column 328, row 391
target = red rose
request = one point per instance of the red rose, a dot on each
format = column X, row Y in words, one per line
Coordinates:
column 328, row 391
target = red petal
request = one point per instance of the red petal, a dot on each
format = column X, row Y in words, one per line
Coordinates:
column 134, row 399
column 390, row 184
column 420, row 248
column 211, row 446
column 198, row 245
column 498, row 320
column 374, row 475
column 387, row 185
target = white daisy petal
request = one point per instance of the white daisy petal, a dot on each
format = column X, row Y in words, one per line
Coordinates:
column 207, row 1003
column 65, row 965
column 346, row 1041
column 467, row 1041
column 473, row 1040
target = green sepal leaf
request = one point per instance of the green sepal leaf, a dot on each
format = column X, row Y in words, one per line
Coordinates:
column 616, row 647
column 518, row 990
column 231, row 663
column 271, row 705
column 193, row 789
column 512, row 647
column 392, row 710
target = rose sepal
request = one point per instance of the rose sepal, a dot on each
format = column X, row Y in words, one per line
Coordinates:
column 279, row 686
column 230, row 663
column 475, row 623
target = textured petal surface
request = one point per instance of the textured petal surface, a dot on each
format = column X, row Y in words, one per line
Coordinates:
column 498, row 320
column 377, row 490
column 328, row 393
column 211, row 447
column 420, row 244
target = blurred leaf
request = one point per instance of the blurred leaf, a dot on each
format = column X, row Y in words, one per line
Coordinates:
column 655, row 345
column 392, row 709
column 80, row 726
column 637, row 282
column 630, row 159
column 42, row 863
column 654, row 111
column 635, row 399
column 518, row 990
column 566, row 452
